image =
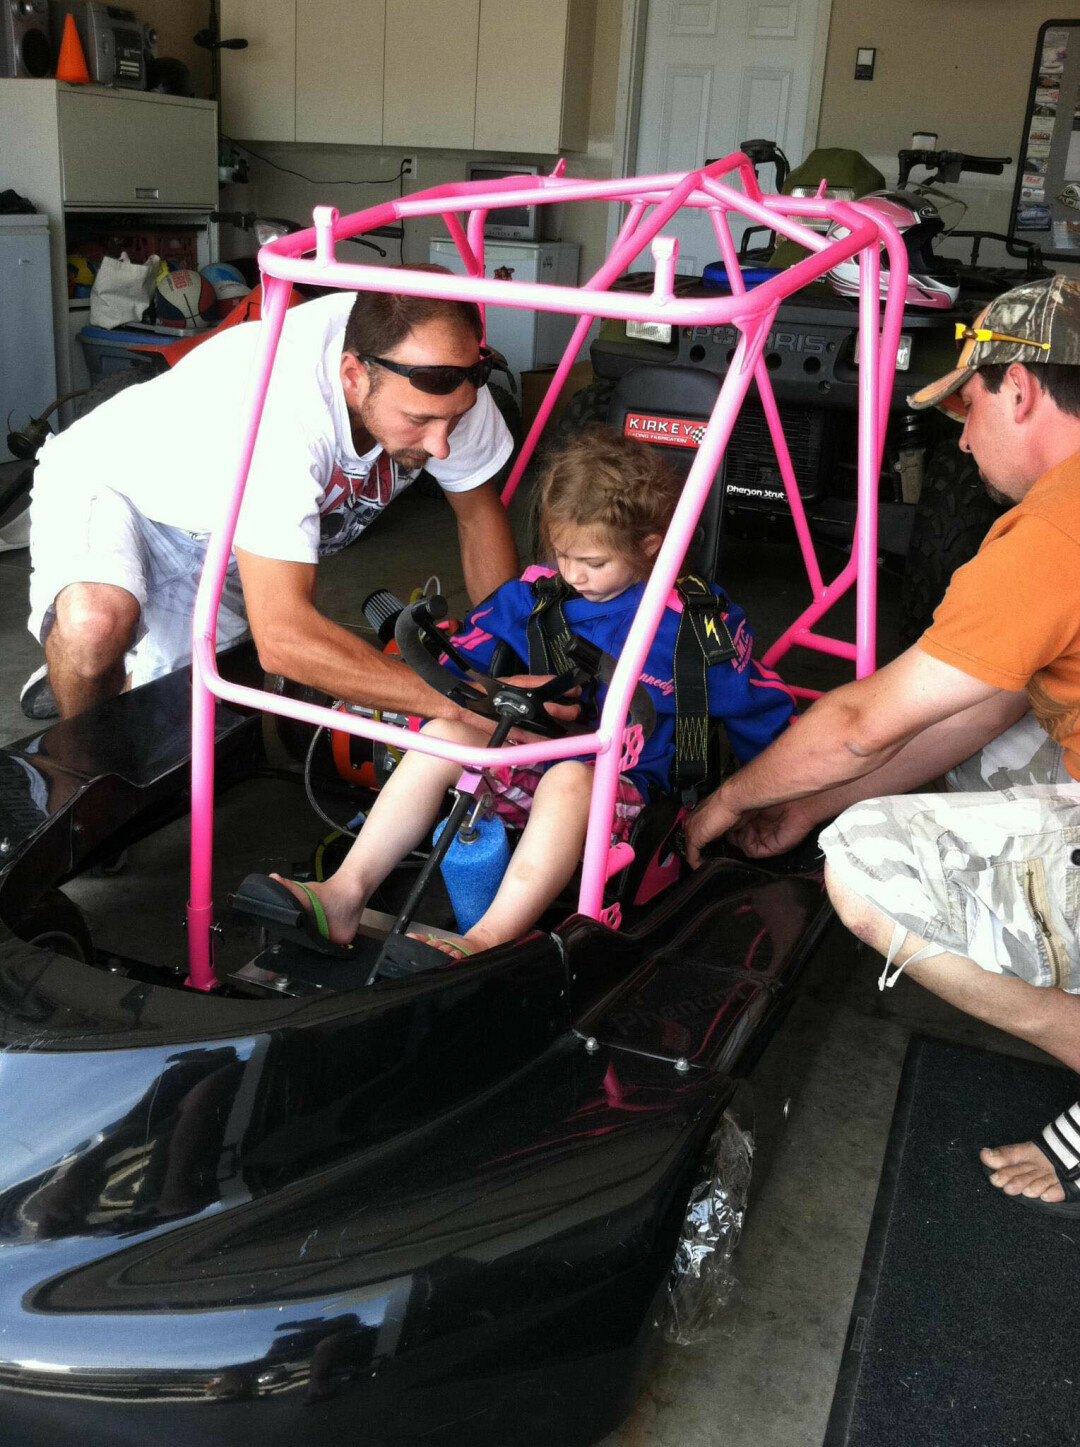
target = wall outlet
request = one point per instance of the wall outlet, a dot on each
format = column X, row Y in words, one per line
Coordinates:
column 408, row 167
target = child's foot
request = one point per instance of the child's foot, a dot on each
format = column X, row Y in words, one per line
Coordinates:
column 460, row 949
column 454, row 950
column 342, row 914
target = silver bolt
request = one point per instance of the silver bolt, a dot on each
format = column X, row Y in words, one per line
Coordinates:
column 592, row 1045
column 682, row 1065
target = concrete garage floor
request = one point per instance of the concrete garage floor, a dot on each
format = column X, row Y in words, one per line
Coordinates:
column 823, row 1092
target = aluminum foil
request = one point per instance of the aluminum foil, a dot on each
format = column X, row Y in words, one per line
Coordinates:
column 702, row 1285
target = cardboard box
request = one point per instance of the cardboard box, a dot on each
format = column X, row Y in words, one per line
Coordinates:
column 534, row 385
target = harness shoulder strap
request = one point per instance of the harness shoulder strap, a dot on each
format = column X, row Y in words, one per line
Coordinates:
column 702, row 641
column 546, row 628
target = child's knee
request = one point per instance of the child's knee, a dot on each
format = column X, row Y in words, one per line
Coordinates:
column 568, row 780
column 453, row 730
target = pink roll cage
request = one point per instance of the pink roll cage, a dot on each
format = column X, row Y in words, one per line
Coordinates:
column 651, row 202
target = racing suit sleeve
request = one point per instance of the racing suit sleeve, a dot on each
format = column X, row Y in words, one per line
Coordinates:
column 500, row 618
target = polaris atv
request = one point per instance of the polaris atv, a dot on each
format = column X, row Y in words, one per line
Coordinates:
column 933, row 508
column 359, row 1200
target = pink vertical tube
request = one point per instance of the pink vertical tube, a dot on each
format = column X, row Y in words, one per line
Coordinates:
column 870, row 446
column 200, row 909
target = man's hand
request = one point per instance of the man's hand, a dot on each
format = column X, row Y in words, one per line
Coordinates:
column 712, row 818
column 761, row 833
column 566, row 713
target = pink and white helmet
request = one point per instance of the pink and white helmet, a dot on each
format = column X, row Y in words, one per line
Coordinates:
column 930, row 282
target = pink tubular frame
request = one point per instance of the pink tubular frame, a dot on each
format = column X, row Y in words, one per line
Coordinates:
column 651, row 201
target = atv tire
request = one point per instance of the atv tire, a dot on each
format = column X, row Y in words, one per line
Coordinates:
column 54, row 922
column 952, row 517
column 586, row 407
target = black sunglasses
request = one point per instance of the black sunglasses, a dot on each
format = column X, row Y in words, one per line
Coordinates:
column 440, row 381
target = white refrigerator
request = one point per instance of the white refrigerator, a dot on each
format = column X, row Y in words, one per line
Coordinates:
column 526, row 339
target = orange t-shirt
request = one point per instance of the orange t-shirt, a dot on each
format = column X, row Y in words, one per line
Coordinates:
column 1011, row 617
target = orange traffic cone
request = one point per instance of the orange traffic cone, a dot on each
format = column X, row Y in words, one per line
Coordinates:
column 72, row 63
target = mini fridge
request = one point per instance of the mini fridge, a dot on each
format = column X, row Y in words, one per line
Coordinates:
column 526, row 339
column 27, row 353
column 27, row 358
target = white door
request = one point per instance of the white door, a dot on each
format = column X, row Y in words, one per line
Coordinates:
column 720, row 72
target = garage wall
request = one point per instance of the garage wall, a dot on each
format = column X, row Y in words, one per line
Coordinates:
column 957, row 67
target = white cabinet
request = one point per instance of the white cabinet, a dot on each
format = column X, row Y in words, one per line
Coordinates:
column 312, row 71
column 339, row 71
column 430, row 72
column 258, row 85
column 128, row 149
column 88, row 152
column 490, row 75
column 533, row 74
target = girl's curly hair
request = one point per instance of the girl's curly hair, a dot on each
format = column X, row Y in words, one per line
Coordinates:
column 624, row 490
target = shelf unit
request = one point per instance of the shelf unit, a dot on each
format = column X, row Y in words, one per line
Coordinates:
column 121, row 156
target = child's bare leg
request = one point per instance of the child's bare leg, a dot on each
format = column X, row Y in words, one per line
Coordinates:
column 401, row 816
column 546, row 856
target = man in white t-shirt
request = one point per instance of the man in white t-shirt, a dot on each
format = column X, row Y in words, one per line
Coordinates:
column 367, row 389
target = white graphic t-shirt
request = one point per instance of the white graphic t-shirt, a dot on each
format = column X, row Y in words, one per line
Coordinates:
column 172, row 445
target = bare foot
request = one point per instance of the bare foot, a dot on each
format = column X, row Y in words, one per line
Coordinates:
column 1022, row 1170
column 342, row 911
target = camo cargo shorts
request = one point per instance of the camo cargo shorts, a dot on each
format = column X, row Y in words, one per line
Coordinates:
column 990, row 870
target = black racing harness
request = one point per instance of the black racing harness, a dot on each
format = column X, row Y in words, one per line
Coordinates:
column 703, row 640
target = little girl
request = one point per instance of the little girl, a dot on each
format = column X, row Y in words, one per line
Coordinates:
column 604, row 503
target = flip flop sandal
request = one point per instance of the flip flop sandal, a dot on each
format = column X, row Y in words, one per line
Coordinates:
column 276, row 908
column 413, row 955
column 1060, row 1144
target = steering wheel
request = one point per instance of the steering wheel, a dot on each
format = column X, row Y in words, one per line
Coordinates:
column 423, row 646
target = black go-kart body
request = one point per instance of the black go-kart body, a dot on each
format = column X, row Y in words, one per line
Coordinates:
column 932, row 511
column 439, row 1210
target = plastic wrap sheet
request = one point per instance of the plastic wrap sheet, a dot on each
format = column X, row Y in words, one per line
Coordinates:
column 702, row 1283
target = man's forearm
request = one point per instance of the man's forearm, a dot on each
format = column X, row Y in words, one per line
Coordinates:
column 324, row 655
column 488, row 558
column 818, row 751
column 924, row 758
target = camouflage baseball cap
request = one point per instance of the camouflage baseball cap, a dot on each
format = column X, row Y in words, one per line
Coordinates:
column 1036, row 322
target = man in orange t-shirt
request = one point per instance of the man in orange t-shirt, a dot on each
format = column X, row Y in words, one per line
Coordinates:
column 974, row 892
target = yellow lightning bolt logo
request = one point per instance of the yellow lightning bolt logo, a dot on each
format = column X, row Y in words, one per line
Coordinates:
column 710, row 629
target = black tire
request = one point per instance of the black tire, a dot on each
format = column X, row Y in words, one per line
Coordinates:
column 952, row 517
column 587, row 406
column 54, row 922
column 15, row 495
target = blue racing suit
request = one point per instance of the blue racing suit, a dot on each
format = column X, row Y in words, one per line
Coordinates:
column 751, row 701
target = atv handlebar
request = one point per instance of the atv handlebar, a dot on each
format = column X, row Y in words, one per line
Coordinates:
column 949, row 164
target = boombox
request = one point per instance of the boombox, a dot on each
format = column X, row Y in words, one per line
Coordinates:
column 112, row 40
column 25, row 49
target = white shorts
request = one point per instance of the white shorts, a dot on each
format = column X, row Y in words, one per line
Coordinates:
column 989, row 870
column 103, row 538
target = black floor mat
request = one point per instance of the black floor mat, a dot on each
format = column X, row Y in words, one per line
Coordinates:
column 966, row 1324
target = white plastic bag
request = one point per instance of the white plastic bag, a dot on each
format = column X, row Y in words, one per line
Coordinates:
column 122, row 290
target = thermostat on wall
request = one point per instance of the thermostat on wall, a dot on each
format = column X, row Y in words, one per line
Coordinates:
column 864, row 62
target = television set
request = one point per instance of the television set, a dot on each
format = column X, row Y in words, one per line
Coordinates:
column 508, row 223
